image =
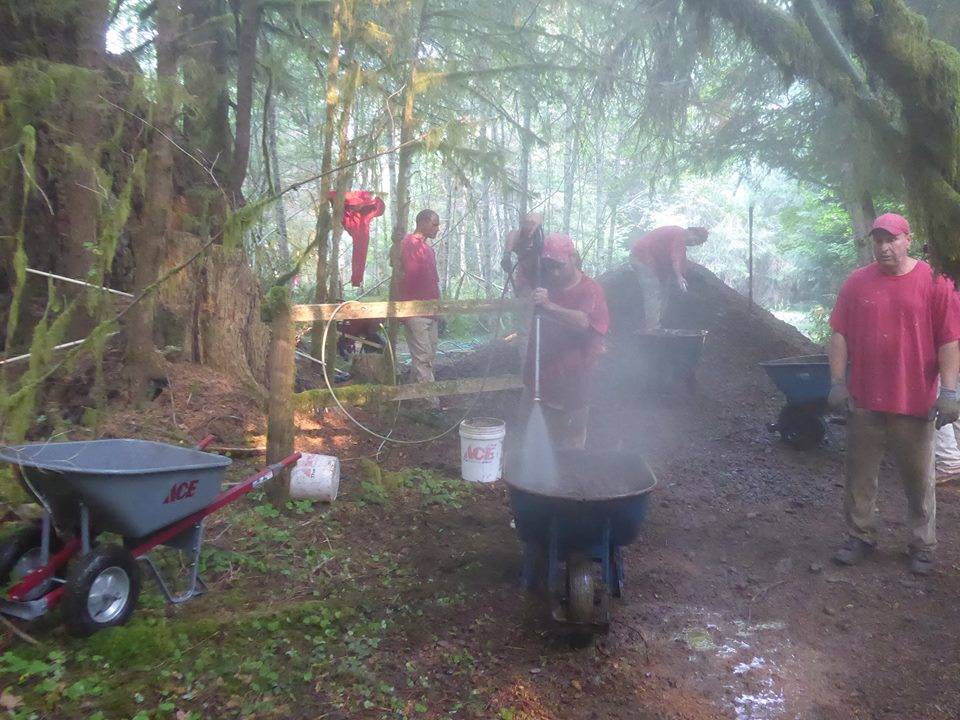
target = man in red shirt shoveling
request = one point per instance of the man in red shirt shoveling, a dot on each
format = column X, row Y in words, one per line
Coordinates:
column 897, row 323
column 659, row 258
column 574, row 319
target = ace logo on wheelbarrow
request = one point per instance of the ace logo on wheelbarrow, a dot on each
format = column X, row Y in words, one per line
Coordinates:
column 181, row 491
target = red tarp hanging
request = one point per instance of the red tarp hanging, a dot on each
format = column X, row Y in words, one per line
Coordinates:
column 360, row 207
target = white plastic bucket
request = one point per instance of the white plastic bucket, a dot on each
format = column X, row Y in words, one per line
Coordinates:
column 315, row 477
column 481, row 449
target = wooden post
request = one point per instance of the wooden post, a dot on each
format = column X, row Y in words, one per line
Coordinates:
column 280, row 377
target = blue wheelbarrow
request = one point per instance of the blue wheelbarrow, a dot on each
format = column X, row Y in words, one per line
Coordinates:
column 805, row 382
column 572, row 536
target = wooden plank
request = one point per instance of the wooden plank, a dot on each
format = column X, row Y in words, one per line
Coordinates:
column 407, row 308
column 361, row 395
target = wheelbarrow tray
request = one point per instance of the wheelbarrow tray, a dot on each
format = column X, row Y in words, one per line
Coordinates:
column 130, row 487
column 803, row 380
column 597, row 490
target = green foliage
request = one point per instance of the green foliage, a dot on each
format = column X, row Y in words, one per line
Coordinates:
column 138, row 644
column 241, row 220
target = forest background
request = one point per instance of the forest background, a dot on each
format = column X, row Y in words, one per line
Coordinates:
column 183, row 153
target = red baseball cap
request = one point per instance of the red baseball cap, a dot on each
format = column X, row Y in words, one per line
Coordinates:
column 891, row 223
column 558, row 247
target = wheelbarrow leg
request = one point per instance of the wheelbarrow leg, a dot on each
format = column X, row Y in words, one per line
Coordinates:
column 553, row 561
column 606, row 566
column 530, row 573
column 616, row 586
column 191, row 541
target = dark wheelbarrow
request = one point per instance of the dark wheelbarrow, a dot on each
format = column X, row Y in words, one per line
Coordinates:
column 670, row 356
column 148, row 493
column 805, row 382
column 572, row 536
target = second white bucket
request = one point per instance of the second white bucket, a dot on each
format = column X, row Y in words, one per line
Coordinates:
column 481, row 449
column 315, row 477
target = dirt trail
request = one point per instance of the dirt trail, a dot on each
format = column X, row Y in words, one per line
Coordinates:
column 732, row 607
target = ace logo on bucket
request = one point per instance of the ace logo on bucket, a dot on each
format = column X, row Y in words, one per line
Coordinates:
column 181, row 491
column 481, row 453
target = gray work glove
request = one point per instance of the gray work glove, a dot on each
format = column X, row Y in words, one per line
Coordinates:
column 839, row 397
column 947, row 407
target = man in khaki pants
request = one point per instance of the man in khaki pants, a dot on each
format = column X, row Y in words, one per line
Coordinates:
column 419, row 281
column 897, row 324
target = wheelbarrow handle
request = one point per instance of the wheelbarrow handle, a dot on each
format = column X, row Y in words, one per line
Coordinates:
column 224, row 498
column 203, row 444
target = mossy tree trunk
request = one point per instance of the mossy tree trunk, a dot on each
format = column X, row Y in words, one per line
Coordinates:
column 324, row 215
column 80, row 185
column 248, row 27
column 142, row 358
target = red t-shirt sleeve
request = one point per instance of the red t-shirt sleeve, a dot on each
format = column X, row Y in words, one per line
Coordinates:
column 946, row 312
column 838, row 318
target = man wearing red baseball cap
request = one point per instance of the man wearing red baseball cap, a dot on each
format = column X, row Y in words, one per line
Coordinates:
column 574, row 319
column 897, row 324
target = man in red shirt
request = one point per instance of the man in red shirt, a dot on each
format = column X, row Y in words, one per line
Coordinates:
column 897, row 324
column 574, row 319
column 660, row 260
column 419, row 281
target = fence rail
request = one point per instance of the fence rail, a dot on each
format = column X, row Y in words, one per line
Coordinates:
column 405, row 309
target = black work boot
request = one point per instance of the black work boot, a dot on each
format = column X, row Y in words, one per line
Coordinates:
column 853, row 551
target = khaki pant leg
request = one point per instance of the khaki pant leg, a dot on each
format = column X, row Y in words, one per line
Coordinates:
column 866, row 439
column 422, row 340
column 911, row 440
column 652, row 294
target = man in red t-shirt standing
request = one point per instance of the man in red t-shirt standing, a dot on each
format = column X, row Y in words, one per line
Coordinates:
column 419, row 281
column 897, row 324
column 574, row 319
column 659, row 258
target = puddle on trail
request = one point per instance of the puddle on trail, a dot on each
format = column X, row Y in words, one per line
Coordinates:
column 746, row 659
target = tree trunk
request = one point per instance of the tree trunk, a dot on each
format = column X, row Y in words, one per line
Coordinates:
column 142, row 359
column 81, row 201
column 247, row 33
column 485, row 236
column 344, row 178
column 273, row 159
column 570, row 148
column 207, row 129
column 862, row 213
column 444, row 249
column 524, row 200
column 326, row 163
column 610, row 238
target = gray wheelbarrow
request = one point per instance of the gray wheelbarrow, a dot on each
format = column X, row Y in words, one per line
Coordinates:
column 148, row 493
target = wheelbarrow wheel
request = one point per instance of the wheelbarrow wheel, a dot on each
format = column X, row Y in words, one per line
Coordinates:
column 580, row 589
column 101, row 590
column 20, row 555
column 800, row 428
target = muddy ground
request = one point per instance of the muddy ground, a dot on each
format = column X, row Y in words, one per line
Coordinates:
column 401, row 599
